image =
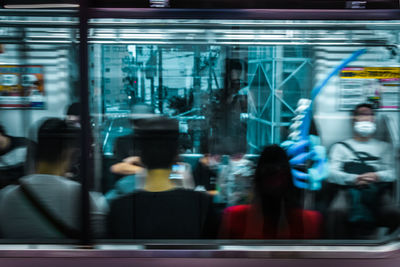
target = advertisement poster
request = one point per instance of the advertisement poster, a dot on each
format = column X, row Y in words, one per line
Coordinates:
column 22, row 86
column 379, row 86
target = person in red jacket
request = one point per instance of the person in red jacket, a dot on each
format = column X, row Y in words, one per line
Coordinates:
column 275, row 212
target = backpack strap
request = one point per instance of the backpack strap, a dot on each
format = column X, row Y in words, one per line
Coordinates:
column 58, row 224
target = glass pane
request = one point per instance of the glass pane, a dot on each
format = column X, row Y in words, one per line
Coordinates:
column 185, row 113
column 40, row 128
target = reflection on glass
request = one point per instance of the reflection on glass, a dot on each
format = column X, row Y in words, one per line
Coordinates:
column 231, row 88
column 230, row 102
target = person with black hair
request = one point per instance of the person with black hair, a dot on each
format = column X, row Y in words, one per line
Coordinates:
column 13, row 153
column 363, row 168
column 228, row 135
column 226, row 132
column 46, row 204
column 275, row 212
column 160, row 210
column 73, row 114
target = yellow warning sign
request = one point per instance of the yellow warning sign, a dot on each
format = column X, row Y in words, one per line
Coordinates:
column 370, row 73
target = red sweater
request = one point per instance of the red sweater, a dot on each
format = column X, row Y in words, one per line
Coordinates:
column 244, row 222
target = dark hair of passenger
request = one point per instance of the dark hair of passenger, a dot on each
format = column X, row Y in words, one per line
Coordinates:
column 55, row 137
column 2, row 130
column 158, row 141
column 235, row 64
column 362, row 105
column 74, row 109
column 273, row 182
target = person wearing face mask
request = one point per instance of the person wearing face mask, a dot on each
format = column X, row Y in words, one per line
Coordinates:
column 357, row 165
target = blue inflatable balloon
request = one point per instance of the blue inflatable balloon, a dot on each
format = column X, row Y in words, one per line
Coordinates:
column 307, row 152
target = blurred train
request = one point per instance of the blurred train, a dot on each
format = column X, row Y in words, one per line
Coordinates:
column 175, row 59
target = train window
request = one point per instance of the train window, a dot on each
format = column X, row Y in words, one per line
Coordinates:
column 40, row 196
column 250, row 130
column 198, row 129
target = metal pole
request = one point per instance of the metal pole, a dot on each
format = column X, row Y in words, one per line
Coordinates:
column 160, row 81
column 85, row 122
column 196, row 98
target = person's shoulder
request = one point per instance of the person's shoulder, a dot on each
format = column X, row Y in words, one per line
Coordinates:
column 378, row 142
column 339, row 146
column 8, row 190
column 238, row 209
column 125, row 198
column 347, row 141
column 37, row 181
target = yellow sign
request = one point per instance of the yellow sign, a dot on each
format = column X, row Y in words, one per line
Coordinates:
column 370, row 73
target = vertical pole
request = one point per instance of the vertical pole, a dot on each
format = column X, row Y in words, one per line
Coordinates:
column 196, row 98
column 278, row 92
column 210, row 71
column 272, row 140
column 23, row 53
column 160, row 81
column 85, row 121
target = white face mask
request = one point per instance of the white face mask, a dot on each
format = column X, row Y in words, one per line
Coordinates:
column 364, row 128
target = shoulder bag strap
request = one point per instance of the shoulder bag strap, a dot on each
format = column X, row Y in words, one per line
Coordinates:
column 352, row 150
column 59, row 225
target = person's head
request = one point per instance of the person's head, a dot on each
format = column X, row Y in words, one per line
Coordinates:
column 273, row 177
column 234, row 71
column 73, row 115
column 57, row 140
column 363, row 118
column 157, row 138
column 141, row 111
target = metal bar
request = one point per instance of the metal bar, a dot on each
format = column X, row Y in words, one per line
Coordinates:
column 254, row 146
column 251, row 117
column 286, row 104
column 252, row 103
column 204, row 42
column 274, row 72
column 247, row 14
column 39, row 12
column 389, row 254
column 39, row 24
column 270, row 86
column 293, row 73
column 85, row 122
column 107, row 135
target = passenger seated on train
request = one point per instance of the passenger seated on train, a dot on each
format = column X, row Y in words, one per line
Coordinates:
column 363, row 169
column 46, row 204
column 13, row 152
column 160, row 210
column 275, row 211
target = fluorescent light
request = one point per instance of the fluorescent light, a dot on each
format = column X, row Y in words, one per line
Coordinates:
column 42, row 6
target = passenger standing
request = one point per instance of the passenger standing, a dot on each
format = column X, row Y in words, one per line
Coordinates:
column 228, row 131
